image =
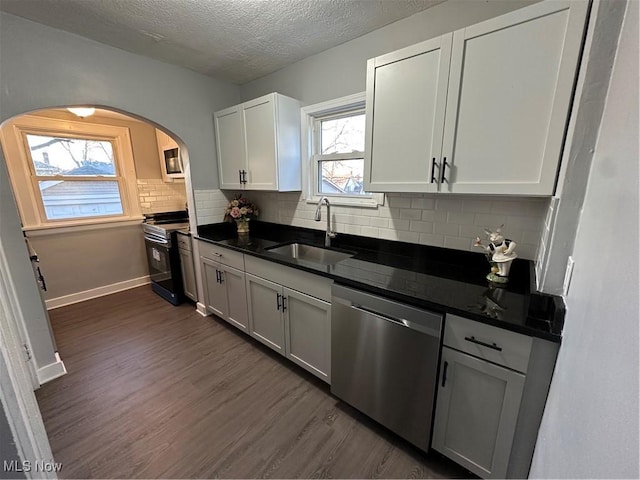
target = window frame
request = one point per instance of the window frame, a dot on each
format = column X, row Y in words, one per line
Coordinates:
column 24, row 179
column 311, row 118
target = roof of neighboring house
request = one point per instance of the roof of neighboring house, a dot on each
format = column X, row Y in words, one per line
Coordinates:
column 94, row 168
column 77, row 189
column 329, row 187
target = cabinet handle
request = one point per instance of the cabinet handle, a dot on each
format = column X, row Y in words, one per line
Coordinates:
column 243, row 177
column 444, row 373
column 433, row 171
column 240, row 176
column 444, row 171
column 284, row 304
column 278, row 301
column 484, row 344
column 217, row 276
column 221, row 278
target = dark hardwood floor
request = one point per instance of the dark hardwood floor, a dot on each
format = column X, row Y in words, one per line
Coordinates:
column 155, row 391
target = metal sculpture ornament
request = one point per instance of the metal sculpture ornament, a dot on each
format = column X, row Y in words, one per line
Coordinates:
column 500, row 252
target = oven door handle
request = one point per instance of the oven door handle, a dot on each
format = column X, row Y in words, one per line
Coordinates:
column 161, row 241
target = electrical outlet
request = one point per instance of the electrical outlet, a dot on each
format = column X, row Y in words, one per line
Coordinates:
column 567, row 276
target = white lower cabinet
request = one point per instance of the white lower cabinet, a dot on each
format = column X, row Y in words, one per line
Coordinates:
column 476, row 413
column 265, row 311
column 292, row 323
column 308, row 332
column 295, row 322
column 225, row 293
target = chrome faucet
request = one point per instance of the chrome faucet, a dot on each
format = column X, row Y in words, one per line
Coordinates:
column 329, row 234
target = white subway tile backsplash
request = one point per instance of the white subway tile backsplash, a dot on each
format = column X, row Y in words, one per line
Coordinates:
column 423, row 203
column 411, row 237
column 451, row 221
column 488, row 220
column 432, row 239
column 476, row 205
column 424, row 227
column 388, row 234
column 370, row 232
column 399, row 224
column 410, row 214
column 460, row 218
column 451, row 229
column 156, row 196
column 449, row 204
column 396, row 201
column 434, row 216
column 458, row 243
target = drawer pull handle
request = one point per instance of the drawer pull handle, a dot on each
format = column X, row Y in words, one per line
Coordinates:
column 484, row 344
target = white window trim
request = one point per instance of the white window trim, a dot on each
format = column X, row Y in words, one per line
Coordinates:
column 18, row 161
column 309, row 115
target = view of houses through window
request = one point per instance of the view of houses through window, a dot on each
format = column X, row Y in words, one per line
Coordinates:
column 76, row 177
column 340, row 157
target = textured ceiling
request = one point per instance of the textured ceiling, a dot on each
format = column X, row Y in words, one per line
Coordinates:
column 235, row 40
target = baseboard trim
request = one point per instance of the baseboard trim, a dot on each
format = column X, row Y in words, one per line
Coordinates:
column 51, row 371
column 202, row 310
column 96, row 292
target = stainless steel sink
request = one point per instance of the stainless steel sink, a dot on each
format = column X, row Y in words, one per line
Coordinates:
column 310, row 253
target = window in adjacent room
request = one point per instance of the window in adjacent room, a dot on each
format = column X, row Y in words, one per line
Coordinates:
column 68, row 173
column 74, row 177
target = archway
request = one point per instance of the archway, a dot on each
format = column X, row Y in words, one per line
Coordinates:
column 18, row 303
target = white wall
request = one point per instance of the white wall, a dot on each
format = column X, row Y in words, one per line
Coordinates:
column 439, row 220
column 557, row 241
column 590, row 425
column 42, row 67
column 341, row 70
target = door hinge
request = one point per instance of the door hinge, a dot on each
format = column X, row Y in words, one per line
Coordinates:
column 27, row 351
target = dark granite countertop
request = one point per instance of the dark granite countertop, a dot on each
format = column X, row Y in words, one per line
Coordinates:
column 438, row 279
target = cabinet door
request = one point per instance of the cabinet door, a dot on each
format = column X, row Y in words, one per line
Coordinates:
column 308, row 333
column 236, row 293
column 264, row 300
column 476, row 413
column 215, row 295
column 509, row 94
column 260, row 137
column 188, row 274
column 230, row 146
column 406, row 99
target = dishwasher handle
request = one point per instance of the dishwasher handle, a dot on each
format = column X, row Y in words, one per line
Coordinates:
column 398, row 321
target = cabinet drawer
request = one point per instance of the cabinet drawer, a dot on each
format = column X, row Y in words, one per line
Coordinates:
column 314, row 285
column 223, row 255
column 184, row 241
column 490, row 343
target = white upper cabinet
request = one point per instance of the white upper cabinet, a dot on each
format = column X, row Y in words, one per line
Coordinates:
column 258, row 144
column 230, row 146
column 507, row 96
column 406, row 94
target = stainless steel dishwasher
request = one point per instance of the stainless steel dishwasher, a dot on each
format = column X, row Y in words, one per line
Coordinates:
column 384, row 360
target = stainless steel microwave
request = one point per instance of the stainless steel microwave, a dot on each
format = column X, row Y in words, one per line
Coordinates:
column 173, row 162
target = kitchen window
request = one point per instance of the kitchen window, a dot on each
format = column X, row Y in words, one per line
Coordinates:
column 67, row 173
column 333, row 152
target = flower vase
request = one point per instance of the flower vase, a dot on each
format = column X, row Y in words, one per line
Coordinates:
column 242, row 225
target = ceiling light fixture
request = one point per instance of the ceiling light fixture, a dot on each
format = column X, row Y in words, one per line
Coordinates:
column 82, row 111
